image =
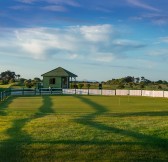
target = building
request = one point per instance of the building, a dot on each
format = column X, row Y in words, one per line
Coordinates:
column 58, row 78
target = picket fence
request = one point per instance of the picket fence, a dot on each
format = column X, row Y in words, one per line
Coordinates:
column 54, row 91
column 149, row 93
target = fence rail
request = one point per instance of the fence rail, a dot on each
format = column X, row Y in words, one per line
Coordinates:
column 54, row 91
column 5, row 94
column 46, row 91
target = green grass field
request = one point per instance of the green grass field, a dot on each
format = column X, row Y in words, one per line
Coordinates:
column 83, row 128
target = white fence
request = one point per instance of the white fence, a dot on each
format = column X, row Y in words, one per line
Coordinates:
column 122, row 92
column 46, row 91
column 153, row 93
column 165, row 93
column 88, row 92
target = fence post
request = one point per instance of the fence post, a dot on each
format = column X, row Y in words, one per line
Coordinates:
column 4, row 95
column 9, row 92
column 1, row 96
column 23, row 91
column 128, row 92
column 35, row 91
column 163, row 93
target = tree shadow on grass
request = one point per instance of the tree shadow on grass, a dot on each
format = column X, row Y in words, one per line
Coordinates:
column 143, row 139
column 4, row 106
column 13, row 149
column 46, row 108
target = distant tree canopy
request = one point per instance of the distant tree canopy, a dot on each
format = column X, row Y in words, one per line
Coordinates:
column 29, row 83
column 8, row 77
column 128, row 82
column 139, row 80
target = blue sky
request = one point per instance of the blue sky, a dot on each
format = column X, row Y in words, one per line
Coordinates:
column 95, row 39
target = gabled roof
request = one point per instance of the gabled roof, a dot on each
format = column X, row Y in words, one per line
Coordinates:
column 59, row 72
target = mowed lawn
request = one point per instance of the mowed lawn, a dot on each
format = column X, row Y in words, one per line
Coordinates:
column 83, row 128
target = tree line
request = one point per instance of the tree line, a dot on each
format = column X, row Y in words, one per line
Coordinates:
column 128, row 82
column 10, row 77
column 137, row 83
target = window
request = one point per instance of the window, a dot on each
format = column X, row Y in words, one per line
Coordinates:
column 52, row 81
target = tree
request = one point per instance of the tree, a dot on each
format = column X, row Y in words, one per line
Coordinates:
column 8, row 75
column 137, row 80
column 159, row 87
column 88, row 85
column 80, row 85
column 28, row 83
column 17, row 76
column 37, row 79
column 142, row 85
column 159, row 82
column 11, row 81
column 128, row 79
column 121, row 86
column 142, row 79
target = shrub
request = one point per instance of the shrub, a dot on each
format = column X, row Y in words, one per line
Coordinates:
column 81, row 85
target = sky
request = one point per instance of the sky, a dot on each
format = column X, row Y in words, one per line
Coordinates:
column 95, row 39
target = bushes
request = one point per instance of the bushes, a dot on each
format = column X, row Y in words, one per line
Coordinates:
column 28, row 83
column 80, row 85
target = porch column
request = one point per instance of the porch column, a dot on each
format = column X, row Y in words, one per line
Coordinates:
column 67, row 82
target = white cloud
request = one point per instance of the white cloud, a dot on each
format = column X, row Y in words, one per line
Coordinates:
column 162, row 53
column 54, row 8
column 98, row 33
column 155, row 18
column 27, row 1
column 140, row 4
column 104, row 57
column 66, row 2
column 20, row 7
column 98, row 43
column 164, row 39
column 72, row 56
column 60, row 2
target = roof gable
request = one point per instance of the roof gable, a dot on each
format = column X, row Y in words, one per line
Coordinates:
column 61, row 72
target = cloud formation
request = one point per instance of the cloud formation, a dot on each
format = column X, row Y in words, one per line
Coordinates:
column 162, row 53
column 54, row 8
column 140, row 4
column 96, row 43
column 155, row 18
column 56, row 2
column 164, row 39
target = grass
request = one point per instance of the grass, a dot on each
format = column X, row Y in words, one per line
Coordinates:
column 84, row 128
column 5, row 86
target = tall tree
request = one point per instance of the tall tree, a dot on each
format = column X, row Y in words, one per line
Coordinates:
column 142, row 78
column 137, row 80
column 7, row 75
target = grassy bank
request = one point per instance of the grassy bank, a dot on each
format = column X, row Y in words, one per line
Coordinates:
column 84, row 128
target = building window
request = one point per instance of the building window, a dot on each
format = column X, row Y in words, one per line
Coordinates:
column 52, row 81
